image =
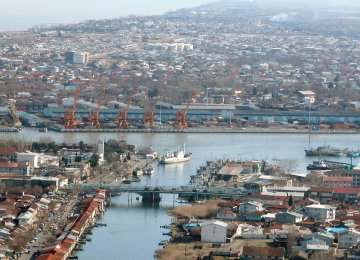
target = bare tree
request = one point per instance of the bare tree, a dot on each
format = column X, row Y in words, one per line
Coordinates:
column 288, row 165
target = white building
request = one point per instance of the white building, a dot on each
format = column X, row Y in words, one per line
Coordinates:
column 26, row 218
column 213, row 232
column 32, row 158
column 250, row 206
column 80, row 58
column 320, row 213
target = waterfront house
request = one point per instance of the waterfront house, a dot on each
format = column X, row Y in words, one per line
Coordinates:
column 288, row 217
column 213, row 231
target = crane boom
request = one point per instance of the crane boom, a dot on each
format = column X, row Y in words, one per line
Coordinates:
column 94, row 115
column 70, row 115
column 14, row 114
column 181, row 115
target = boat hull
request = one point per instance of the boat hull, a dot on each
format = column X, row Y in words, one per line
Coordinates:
column 174, row 160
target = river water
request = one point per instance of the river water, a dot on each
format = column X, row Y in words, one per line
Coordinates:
column 133, row 229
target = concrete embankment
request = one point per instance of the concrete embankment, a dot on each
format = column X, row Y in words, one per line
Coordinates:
column 212, row 131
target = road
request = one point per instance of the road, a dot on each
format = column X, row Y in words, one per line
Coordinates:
column 43, row 235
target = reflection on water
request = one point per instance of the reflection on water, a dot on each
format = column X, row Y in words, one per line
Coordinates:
column 133, row 230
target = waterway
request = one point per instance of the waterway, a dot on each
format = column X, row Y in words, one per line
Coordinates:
column 20, row 14
column 133, row 230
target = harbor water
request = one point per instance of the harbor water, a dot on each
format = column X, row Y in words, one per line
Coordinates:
column 133, row 229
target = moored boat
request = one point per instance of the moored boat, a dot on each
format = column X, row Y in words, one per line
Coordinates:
column 325, row 150
column 176, row 156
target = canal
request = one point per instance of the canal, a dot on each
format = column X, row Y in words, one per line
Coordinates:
column 133, row 229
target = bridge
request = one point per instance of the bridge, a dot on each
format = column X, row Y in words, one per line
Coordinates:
column 151, row 194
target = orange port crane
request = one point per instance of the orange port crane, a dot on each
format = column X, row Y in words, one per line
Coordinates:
column 181, row 115
column 149, row 121
column 70, row 115
column 94, row 115
column 122, row 116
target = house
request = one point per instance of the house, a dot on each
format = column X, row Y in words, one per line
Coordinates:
column 227, row 214
column 251, row 206
column 324, row 236
column 348, row 240
column 336, row 181
column 26, row 218
column 321, row 213
column 15, row 169
column 254, row 252
column 213, row 232
column 8, row 153
column 254, row 216
column 228, row 173
column 288, row 217
column 314, row 244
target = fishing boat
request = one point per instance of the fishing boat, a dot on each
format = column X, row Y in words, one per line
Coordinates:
column 327, row 165
column 176, row 156
column 325, row 150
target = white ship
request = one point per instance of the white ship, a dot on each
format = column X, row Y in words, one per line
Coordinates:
column 176, row 156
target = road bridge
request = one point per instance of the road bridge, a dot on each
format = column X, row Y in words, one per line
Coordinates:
column 151, row 194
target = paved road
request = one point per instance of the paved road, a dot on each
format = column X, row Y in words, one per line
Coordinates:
column 42, row 236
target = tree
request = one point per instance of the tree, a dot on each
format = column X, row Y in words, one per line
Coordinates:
column 128, row 157
column 37, row 191
column 94, row 160
column 288, row 165
column 290, row 201
column 77, row 158
column 82, row 146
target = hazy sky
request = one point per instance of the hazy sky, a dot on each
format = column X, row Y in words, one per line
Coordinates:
column 20, row 14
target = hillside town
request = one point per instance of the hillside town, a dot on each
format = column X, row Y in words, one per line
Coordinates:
column 139, row 72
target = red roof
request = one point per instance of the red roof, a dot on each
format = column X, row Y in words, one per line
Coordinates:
column 12, row 165
column 7, row 151
column 346, row 190
column 337, row 179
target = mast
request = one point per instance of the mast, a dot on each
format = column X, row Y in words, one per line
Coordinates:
column 309, row 127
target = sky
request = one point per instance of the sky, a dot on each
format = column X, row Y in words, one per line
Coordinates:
column 22, row 14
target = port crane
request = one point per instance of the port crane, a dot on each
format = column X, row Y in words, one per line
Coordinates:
column 94, row 117
column 181, row 115
column 149, row 121
column 70, row 115
column 122, row 116
column 14, row 114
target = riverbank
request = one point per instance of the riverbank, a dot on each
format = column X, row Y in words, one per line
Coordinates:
column 214, row 130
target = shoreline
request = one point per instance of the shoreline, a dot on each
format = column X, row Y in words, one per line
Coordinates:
column 210, row 131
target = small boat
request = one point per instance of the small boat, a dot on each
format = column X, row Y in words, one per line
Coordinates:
column 176, row 156
column 163, row 242
column 149, row 170
column 43, row 130
column 127, row 181
column 353, row 154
